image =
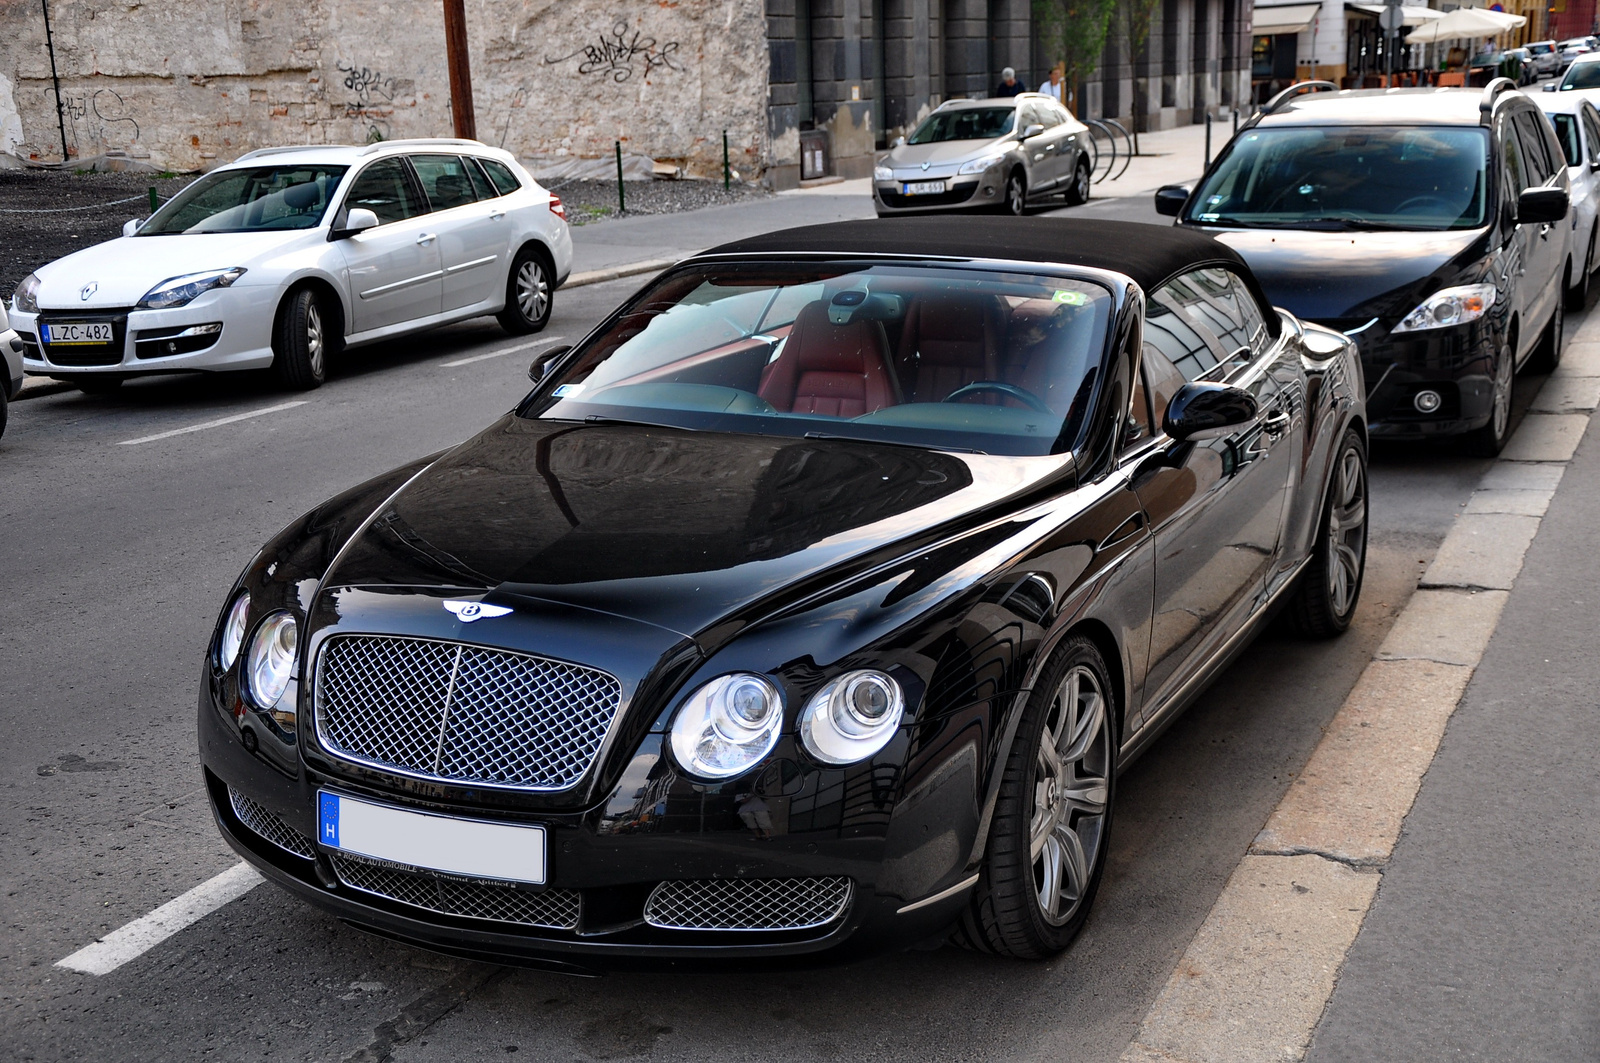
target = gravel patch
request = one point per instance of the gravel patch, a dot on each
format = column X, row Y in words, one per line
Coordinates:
column 28, row 241
column 591, row 201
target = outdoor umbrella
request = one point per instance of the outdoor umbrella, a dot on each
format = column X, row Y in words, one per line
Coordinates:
column 1465, row 22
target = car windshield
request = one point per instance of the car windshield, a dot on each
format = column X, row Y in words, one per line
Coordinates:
column 940, row 357
column 969, row 123
column 249, row 199
column 1581, row 76
column 1353, row 177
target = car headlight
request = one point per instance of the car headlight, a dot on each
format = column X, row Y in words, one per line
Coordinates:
column 1449, row 306
column 882, row 173
column 233, row 631
column 269, row 665
column 177, row 291
column 727, row 726
column 27, row 298
column 852, row 717
column 980, row 165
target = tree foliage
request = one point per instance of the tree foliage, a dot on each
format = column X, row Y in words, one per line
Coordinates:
column 1136, row 17
column 1074, row 32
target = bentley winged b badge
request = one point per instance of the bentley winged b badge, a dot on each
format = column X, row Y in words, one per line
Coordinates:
column 470, row 611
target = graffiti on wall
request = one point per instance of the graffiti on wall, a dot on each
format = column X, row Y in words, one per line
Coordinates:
column 97, row 121
column 372, row 97
column 617, row 54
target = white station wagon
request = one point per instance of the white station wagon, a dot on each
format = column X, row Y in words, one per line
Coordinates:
column 287, row 255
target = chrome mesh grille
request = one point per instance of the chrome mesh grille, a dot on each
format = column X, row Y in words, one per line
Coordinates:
column 464, row 713
column 270, row 826
column 747, row 904
column 555, row 909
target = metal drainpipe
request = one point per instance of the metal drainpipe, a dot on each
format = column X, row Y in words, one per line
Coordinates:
column 50, row 46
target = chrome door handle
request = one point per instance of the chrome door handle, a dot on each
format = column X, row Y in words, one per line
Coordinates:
column 1126, row 530
column 426, row 238
column 497, row 215
column 1276, row 423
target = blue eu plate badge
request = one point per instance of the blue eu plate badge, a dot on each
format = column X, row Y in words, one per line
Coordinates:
column 329, row 817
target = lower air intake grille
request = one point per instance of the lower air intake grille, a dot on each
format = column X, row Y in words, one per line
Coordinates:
column 556, row 909
column 270, row 826
column 747, row 904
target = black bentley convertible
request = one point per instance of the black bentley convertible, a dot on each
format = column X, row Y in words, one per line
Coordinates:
column 810, row 604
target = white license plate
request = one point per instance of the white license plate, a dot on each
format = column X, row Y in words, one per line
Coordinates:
column 923, row 188
column 505, row 852
column 76, row 333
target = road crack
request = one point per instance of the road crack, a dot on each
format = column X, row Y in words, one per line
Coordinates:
column 417, row 1016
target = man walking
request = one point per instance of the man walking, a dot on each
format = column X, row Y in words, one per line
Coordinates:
column 1009, row 85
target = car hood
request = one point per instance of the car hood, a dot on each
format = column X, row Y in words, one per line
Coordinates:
column 1337, row 277
column 124, row 269
column 909, row 156
column 683, row 530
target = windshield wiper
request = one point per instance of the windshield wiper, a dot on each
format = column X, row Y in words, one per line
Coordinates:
column 595, row 418
column 891, row 443
column 1364, row 224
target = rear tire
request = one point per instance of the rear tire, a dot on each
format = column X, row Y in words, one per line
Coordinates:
column 530, row 294
column 305, row 334
column 1078, row 191
column 3, row 414
column 1578, row 294
column 1325, row 602
column 1488, row 441
column 1047, row 843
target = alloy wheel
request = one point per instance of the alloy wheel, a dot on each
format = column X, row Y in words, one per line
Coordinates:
column 315, row 345
column 1082, row 185
column 1347, row 532
column 533, row 290
column 1501, row 415
column 1071, row 789
column 1016, row 195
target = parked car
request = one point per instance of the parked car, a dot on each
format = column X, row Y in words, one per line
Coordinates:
column 1517, row 64
column 1571, row 50
column 811, row 604
column 996, row 154
column 1545, row 57
column 1433, row 225
column 1583, row 76
column 289, row 255
column 10, row 367
column 1577, row 126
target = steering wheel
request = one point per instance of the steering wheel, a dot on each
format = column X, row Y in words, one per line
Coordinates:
column 1000, row 387
column 1445, row 206
column 1293, row 189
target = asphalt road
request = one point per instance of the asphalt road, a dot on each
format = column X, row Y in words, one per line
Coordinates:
column 114, row 559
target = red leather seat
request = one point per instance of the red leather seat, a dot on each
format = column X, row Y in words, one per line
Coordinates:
column 828, row 369
column 951, row 340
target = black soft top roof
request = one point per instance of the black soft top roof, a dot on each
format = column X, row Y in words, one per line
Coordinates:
column 1150, row 254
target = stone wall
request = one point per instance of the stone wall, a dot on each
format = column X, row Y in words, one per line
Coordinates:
column 188, row 84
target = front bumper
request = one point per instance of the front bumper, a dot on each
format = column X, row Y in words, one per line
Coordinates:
column 970, row 192
column 614, row 855
column 144, row 338
column 1457, row 363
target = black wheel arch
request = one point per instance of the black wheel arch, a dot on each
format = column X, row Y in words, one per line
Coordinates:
column 542, row 249
column 331, row 297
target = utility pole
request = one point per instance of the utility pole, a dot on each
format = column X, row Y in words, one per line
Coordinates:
column 50, row 46
column 455, row 46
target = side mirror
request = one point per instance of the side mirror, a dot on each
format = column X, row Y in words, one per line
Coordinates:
column 359, row 220
column 1550, row 86
column 1031, row 131
column 542, row 363
column 132, row 225
column 899, row 142
column 1170, row 200
column 1202, row 411
column 1542, row 205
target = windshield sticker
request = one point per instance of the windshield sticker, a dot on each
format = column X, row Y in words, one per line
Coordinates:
column 1071, row 298
column 567, row 390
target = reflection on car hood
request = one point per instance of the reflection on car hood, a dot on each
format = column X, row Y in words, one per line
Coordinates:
column 950, row 151
column 678, row 529
column 1343, row 275
column 123, row 270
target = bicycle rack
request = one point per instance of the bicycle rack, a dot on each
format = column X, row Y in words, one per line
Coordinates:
column 1109, row 128
column 1127, row 159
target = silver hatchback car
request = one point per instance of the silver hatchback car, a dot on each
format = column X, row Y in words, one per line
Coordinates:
column 1002, row 153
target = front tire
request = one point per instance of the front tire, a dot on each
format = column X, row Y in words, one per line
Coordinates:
column 1016, row 201
column 1547, row 355
column 529, row 294
column 1488, row 441
column 1047, row 845
column 305, row 333
column 1325, row 602
column 1078, row 191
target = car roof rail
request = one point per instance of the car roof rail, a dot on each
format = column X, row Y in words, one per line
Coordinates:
column 1491, row 92
column 431, row 142
column 259, row 152
column 1299, row 88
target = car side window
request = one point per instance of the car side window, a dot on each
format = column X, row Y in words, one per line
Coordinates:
column 1206, row 322
column 1030, row 116
column 480, row 181
column 1061, row 114
column 1140, row 426
column 1516, row 172
column 1591, row 133
column 444, row 178
column 385, row 189
column 504, row 180
column 1535, row 148
column 1161, row 381
column 1567, row 132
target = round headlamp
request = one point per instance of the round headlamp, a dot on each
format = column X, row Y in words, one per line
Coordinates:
column 269, row 664
column 727, row 726
column 233, row 631
column 852, row 717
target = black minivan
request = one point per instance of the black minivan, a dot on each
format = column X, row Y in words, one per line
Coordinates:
column 1426, row 224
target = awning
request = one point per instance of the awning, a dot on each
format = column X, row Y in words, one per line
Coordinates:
column 1465, row 23
column 1289, row 18
column 1414, row 16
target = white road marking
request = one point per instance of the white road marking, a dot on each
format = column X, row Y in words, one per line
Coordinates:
column 219, row 422
column 132, row 940
column 495, row 354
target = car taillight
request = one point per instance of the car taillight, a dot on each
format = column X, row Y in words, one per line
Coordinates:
column 557, row 209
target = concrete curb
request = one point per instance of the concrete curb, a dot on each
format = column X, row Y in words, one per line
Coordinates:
column 37, row 387
column 1254, row 981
